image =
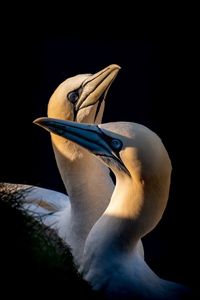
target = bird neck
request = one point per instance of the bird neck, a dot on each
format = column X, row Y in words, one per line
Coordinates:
column 111, row 260
column 129, row 216
column 117, row 230
column 87, row 181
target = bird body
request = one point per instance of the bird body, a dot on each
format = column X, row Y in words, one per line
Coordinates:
column 140, row 162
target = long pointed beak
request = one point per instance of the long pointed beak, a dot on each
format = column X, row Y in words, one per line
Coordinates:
column 96, row 86
column 89, row 136
column 86, row 135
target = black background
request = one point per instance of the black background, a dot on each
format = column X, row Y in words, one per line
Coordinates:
column 155, row 87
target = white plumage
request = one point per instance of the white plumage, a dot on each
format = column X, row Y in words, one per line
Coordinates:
column 80, row 98
column 142, row 167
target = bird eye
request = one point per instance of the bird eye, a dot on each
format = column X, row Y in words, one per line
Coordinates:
column 73, row 96
column 116, row 144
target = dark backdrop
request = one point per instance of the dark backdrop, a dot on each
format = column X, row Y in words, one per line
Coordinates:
column 155, row 87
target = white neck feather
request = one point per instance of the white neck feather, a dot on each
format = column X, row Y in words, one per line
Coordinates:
column 112, row 262
column 89, row 187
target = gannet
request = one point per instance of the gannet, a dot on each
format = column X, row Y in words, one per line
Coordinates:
column 142, row 167
column 80, row 98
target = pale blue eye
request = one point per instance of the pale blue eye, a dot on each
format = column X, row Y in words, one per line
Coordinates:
column 73, row 96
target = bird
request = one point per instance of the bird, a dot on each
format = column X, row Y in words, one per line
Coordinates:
column 80, row 98
column 142, row 167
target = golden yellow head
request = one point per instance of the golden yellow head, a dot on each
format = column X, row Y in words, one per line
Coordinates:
column 82, row 98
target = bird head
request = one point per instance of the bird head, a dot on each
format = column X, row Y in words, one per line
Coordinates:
column 82, row 98
column 134, row 153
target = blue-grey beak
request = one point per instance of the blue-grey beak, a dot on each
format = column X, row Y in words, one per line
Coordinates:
column 89, row 136
column 86, row 135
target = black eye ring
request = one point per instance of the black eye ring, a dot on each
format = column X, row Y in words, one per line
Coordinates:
column 73, row 96
column 116, row 144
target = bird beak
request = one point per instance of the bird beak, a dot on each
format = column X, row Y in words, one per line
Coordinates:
column 96, row 86
column 86, row 135
column 89, row 136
